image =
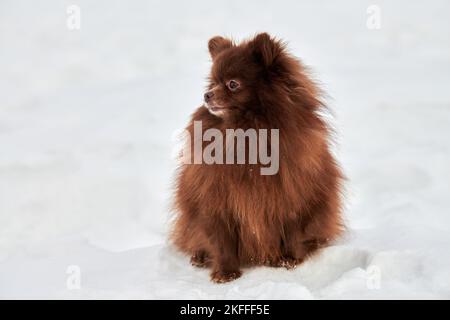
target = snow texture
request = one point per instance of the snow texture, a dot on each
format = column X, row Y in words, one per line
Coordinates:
column 88, row 120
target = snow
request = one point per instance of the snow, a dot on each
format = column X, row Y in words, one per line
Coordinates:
column 88, row 120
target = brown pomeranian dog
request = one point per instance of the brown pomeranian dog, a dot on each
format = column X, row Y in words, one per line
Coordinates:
column 231, row 215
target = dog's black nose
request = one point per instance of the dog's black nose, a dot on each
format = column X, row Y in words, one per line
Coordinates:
column 208, row 95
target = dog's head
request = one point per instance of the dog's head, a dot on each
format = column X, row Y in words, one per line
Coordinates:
column 241, row 74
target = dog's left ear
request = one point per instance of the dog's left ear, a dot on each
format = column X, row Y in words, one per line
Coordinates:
column 266, row 49
column 217, row 44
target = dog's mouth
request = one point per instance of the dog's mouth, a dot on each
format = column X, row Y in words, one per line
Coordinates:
column 214, row 109
column 217, row 109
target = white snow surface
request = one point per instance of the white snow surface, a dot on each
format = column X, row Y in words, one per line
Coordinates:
column 87, row 125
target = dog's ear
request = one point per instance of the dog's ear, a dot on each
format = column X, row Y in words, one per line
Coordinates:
column 266, row 49
column 217, row 44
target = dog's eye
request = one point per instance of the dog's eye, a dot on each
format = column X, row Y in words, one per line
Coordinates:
column 233, row 85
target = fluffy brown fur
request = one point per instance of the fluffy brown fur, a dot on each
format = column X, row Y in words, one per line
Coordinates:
column 230, row 216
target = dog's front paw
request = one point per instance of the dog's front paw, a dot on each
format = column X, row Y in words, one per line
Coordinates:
column 221, row 276
column 290, row 263
column 285, row 262
column 200, row 259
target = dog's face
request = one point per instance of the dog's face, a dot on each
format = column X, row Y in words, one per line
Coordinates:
column 238, row 72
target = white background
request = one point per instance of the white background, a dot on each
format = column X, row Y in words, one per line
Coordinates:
column 87, row 125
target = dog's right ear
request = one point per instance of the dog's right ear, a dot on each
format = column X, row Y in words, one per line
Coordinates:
column 266, row 49
column 217, row 44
